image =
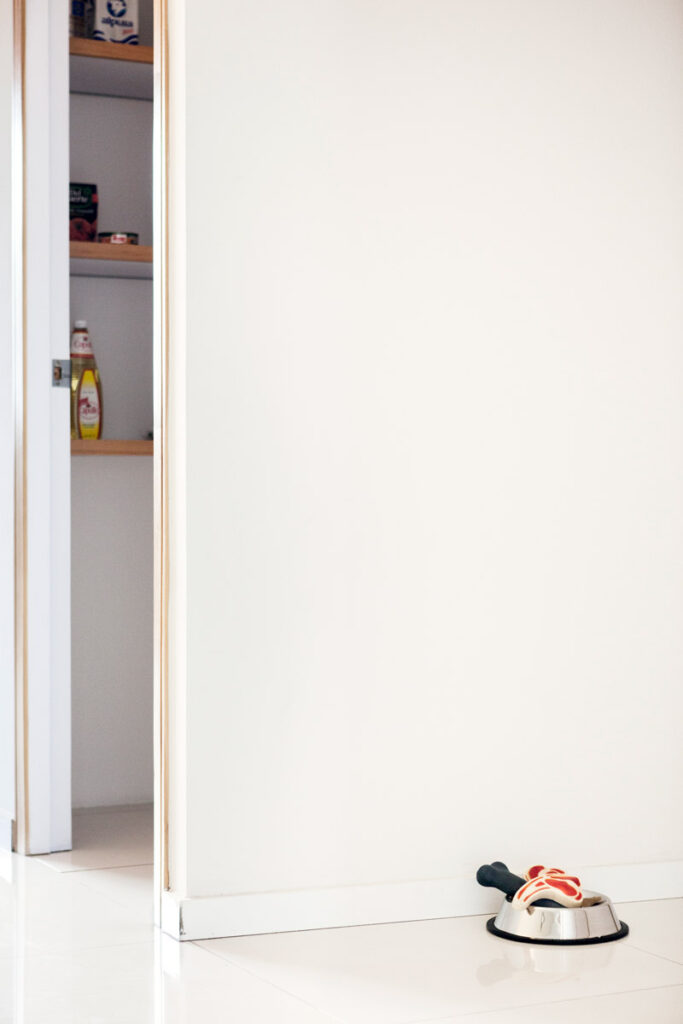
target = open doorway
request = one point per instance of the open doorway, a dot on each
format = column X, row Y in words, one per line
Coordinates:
column 112, row 504
column 85, row 560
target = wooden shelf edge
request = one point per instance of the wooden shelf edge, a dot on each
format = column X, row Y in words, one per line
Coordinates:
column 106, row 251
column 110, row 51
column 111, row 447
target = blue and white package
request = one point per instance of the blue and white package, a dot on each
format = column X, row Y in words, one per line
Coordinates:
column 115, row 21
column 77, row 15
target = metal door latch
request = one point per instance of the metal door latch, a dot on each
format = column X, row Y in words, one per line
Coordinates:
column 61, row 373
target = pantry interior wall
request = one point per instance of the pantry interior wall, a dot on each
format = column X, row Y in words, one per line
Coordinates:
column 112, row 496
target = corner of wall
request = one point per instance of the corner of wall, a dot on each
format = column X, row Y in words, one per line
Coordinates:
column 212, row 917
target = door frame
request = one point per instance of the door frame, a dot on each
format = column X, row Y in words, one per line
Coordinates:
column 42, row 708
column 161, row 454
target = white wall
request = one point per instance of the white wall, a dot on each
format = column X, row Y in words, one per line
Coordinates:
column 112, row 498
column 111, row 580
column 431, row 431
column 111, row 559
column 111, row 145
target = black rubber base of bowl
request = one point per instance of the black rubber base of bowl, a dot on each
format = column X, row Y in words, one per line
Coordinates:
column 622, row 933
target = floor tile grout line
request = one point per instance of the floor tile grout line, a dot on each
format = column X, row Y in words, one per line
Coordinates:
column 660, row 956
column 107, row 867
column 649, row 899
column 73, row 877
column 129, row 907
column 69, row 951
column 80, row 870
column 266, row 981
column 531, row 1006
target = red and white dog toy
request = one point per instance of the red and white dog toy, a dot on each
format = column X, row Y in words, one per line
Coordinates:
column 548, row 883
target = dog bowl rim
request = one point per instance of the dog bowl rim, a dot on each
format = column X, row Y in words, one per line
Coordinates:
column 591, row 941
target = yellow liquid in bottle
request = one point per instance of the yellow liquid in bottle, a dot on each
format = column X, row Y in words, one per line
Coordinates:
column 86, row 388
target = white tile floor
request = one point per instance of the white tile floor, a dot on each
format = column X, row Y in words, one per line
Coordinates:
column 107, row 837
column 77, row 945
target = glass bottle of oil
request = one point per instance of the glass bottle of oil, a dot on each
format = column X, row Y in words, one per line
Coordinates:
column 86, row 389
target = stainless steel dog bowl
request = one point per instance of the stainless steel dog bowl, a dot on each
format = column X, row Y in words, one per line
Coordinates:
column 549, row 925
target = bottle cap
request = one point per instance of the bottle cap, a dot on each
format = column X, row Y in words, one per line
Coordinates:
column 80, row 324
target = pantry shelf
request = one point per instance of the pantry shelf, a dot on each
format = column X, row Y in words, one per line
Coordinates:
column 115, row 51
column 111, row 447
column 111, row 69
column 100, row 259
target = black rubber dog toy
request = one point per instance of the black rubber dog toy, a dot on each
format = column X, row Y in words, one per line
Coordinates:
column 497, row 876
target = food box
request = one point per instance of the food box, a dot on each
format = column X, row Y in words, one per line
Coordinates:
column 78, row 24
column 82, row 212
column 115, row 21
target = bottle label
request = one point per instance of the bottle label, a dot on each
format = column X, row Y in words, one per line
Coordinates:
column 80, row 344
column 89, row 407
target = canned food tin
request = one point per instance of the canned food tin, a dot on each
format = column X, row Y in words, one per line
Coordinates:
column 118, row 237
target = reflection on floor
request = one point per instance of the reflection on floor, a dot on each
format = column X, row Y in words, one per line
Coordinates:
column 77, row 945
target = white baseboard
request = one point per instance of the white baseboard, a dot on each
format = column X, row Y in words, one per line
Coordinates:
column 631, row 883
column 212, row 917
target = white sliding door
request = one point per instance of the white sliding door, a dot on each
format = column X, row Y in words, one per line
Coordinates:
column 6, row 443
column 44, row 705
